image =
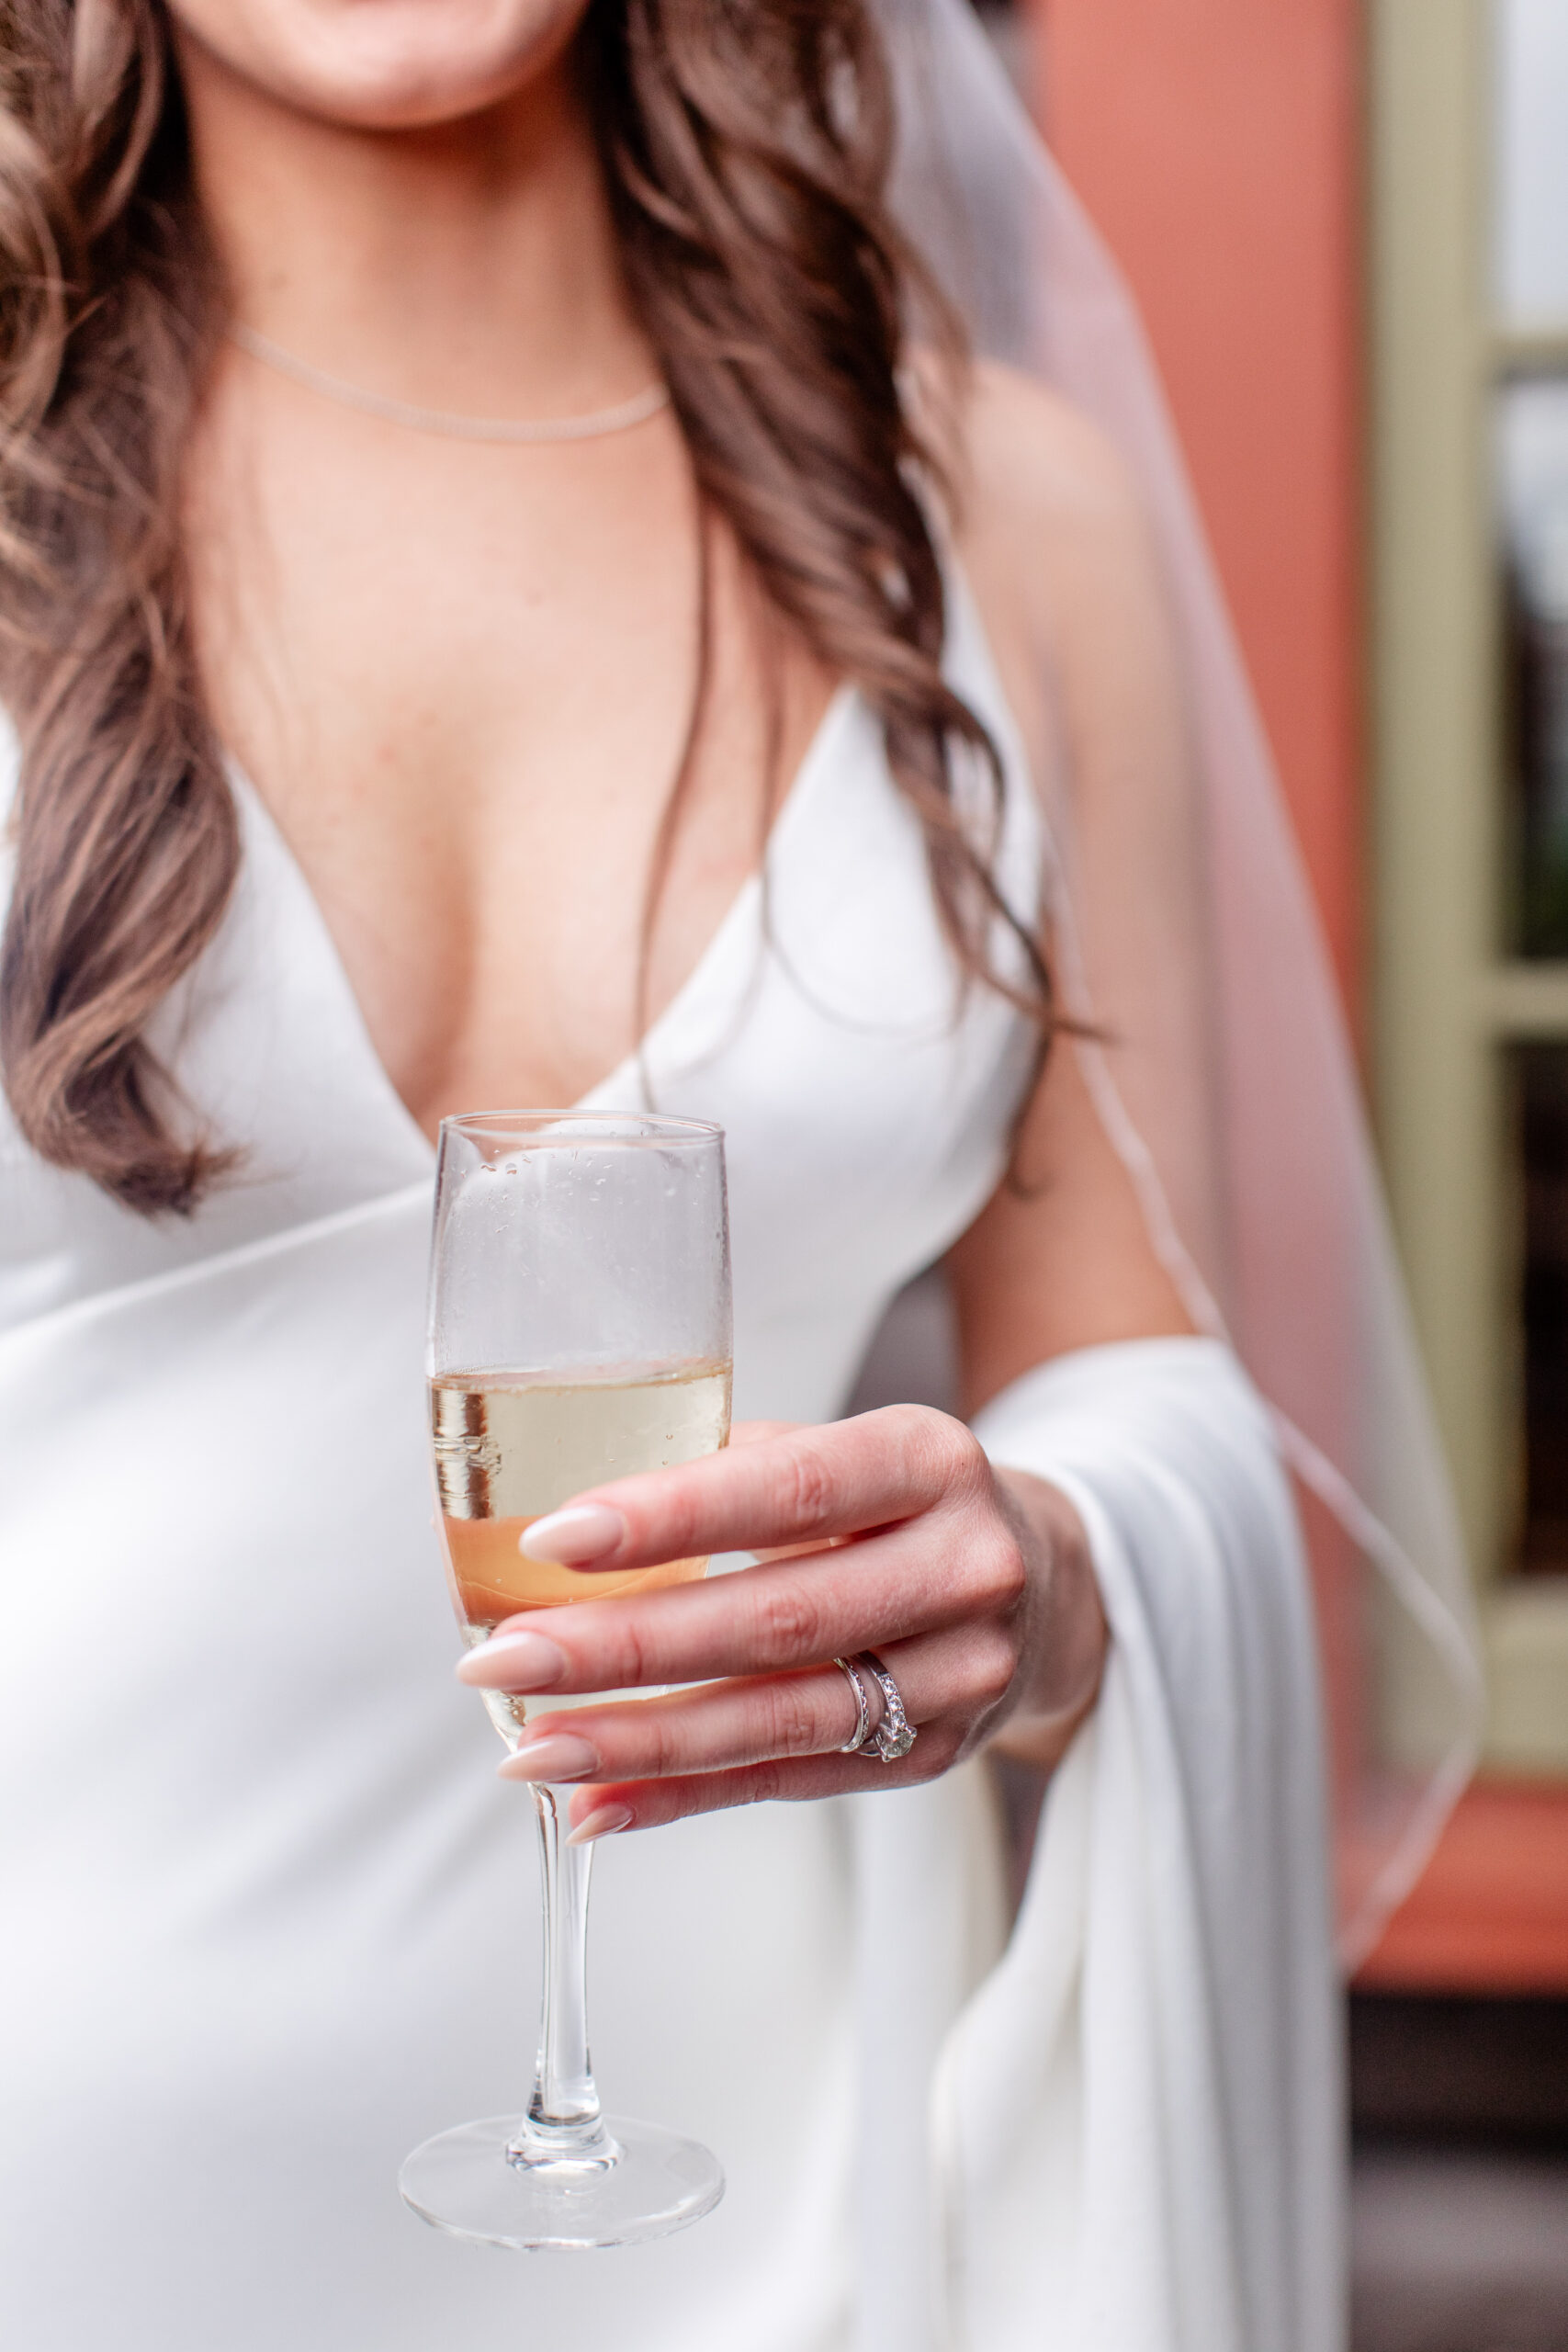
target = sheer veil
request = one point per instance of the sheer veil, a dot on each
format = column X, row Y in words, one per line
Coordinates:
column 1226, row 1079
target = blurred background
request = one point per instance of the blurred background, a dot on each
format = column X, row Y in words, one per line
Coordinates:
column 1347, row 223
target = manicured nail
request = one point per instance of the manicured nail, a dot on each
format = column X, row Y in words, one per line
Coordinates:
column 602, row 1822
column 557, row 1757
column 513, row 1662
column 568, row 1538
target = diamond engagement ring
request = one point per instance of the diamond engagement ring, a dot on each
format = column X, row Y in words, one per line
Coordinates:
column 895, row 1734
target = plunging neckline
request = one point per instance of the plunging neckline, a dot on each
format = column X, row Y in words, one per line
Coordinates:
column 660, row 1037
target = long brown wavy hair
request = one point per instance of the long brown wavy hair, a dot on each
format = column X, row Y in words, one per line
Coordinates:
column 746, row 146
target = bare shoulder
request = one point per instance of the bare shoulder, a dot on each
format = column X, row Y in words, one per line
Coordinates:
column 1049, row 524
column 1020, row 447
column 1043, row 499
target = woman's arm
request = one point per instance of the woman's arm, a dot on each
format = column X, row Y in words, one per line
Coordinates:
column 1055, row 550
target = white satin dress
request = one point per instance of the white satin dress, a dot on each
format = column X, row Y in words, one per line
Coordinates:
column 270, row 1919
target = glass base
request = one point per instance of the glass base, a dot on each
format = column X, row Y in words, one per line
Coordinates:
column 467, row 2182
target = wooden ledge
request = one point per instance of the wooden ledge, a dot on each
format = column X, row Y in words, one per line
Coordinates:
column 1491, row 1913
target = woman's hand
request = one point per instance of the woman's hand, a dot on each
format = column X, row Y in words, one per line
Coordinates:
column 973, row 1586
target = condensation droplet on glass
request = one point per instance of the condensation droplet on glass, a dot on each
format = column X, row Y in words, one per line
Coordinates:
column 511, row 1168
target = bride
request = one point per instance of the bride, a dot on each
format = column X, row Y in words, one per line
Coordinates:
column 511, row 577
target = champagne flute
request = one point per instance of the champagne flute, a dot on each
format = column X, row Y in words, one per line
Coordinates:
column 579, row 1330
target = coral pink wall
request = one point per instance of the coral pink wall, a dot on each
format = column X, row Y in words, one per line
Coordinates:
column 1216, row 142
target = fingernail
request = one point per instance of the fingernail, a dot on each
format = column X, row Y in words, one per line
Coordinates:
column 557, row 1757
column 568, row 1537
column 513, row 1662
column 602, row 1822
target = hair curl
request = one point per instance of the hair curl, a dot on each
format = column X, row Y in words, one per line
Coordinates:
column 745, row 145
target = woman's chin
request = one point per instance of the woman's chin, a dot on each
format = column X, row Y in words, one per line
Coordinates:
column 380, row 65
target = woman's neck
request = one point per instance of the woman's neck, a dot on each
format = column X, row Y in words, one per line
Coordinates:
column 471, row 267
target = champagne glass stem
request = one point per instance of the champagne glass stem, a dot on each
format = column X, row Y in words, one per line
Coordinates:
column 564, row 2123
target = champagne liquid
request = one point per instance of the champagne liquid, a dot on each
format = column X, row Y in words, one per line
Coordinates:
column 510, row 1447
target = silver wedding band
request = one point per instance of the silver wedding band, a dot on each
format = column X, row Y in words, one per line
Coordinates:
column 895, row 1734
column 862, row 1705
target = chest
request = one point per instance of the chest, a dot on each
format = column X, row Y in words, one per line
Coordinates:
column 462, row 681
column 867, row 1098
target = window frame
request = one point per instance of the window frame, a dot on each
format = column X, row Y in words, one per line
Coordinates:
column 1446, row 1002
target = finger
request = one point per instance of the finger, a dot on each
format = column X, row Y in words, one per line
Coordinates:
column 795, row 1551
column 765, row 1620
column 753, row 1433
column 651, row 1804
column 726, row 1725
column 786, row 1488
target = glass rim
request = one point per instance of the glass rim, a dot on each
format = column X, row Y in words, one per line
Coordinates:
column 636, row 1126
